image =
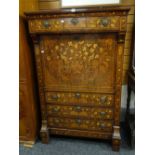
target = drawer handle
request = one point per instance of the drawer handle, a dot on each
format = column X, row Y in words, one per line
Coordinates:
column 55, row 97
column 77, row 95
column 103, row 99
column 102, row 126
column 102, row 113
column 78, row 108
column 56, row 121
column 46, row 23
column 104, row 21
column 55, row 109
column 78, row 121
column 74, row 21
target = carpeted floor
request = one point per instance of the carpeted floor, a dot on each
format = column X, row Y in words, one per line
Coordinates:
column 74, row 146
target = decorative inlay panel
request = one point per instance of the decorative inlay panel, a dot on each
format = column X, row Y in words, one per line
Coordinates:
column 85, row 99
column 80, row 62
column 78, row 111
column 78, row 123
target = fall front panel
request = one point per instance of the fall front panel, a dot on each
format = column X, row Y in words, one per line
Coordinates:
column 80, row 62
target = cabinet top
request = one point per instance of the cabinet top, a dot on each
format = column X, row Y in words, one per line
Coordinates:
column 107, row 8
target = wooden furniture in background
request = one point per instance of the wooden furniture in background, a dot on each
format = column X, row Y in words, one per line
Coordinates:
column 28, row 110
column 27, row 96
column 79, row 60
column 27, row 5
column 48, row 4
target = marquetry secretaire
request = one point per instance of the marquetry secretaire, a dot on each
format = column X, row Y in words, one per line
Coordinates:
column 79, row 57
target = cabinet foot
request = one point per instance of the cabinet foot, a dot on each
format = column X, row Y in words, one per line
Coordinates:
column 44, row 134
column 116, row 139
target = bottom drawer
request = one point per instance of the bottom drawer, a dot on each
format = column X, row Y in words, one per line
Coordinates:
column 80, row 133
column 81, row 124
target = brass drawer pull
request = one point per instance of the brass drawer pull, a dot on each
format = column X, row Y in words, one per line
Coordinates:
column 74, row 21
column 102, row 113
column 102, row 126
column 46, row 23
column 78, row 121
column 104, row 21
column 77, row 95
column 55, row 109
column 55, row 97
column 103, row 99
column 78, row 108
column 56, row 121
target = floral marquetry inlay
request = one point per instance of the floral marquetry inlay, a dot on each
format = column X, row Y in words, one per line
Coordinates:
column 79, row 60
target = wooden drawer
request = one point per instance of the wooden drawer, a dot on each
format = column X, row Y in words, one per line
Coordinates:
column 77, row 24
column 112, row 23
column 64, row 98
column 78, row 111
column 74, row 23
column 81, row 133
column 83, row 124
column 45, row 25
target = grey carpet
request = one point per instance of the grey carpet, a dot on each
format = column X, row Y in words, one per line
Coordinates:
column 73, row 146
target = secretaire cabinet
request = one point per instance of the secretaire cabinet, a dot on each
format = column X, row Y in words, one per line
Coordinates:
column 79, row 57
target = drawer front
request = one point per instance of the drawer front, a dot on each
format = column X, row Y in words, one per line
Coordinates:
column 112, row 23
column 81, row 133
column 82, row 124
column 45, row 25
column 79, row 98
column 78, row 111
column 79, row 24
column 75, row 23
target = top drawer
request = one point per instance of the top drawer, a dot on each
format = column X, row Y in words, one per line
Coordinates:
column 77, row 24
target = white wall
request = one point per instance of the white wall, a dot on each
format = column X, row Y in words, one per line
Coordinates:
column 66, row 3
